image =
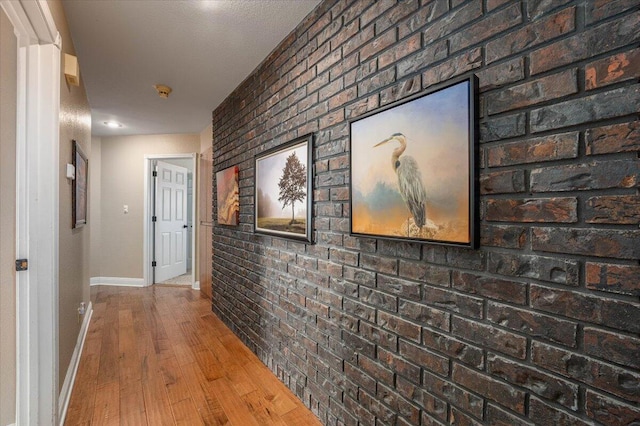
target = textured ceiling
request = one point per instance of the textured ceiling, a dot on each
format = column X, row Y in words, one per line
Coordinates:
column 203, row 49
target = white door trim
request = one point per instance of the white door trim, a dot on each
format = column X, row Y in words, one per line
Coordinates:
column 37, row 164
column 148, row 226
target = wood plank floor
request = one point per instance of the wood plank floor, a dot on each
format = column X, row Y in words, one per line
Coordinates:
column 159, row 356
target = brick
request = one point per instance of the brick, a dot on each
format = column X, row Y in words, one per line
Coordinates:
column 503, row 182
column 597, row 40
column 375, row 370
column 359, row 310
column 617, row 68
column 490, row 337
column 532, row 35
column 403, row 288
column 615, row 103
column 456, row 395
column 426, row 273
column 548, row 148
column 450, row 301
column 377, row 45
column 537, row 8
column 595, row 175
column 490, row 287
column 507, row 236
column 492, row 389
column 542, row 268
column 424, row 315
column 453, row 67
column 378, row 299
column 613, row 313
column 609, row 378
column 359, row 377
column 399, row 365
column 374, row 11
column 501, row 74
column 545, row 414
column 607, row 410
column 600, row 9
column 400, row 90
column 558, row 210
column 399, row 51
column 487, row 27
column 612, row 139
column 398, row 404
column 452, row 22
column 419, row 61
column 533, row 324
column 401, row 327
column 621, row 279
column 502, row 127
column 533, row 92
column 429, row 403
column 498, row 417
column 453, row 348
column 359, row 38
column 590, row 242
column 613, row 209
column 427, row 13
column 612, row 347
column 377, row 81
column 544, row 385
column 424, row 358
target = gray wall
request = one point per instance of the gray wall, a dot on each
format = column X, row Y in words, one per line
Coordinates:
column 540, row 324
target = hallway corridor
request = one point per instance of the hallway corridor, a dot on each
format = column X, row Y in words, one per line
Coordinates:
column 159, row 356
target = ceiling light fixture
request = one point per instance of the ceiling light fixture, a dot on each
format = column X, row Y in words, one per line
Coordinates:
column 163, row 91
column 112, row 124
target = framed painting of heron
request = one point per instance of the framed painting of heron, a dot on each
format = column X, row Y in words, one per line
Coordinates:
column 284, row 190
column 413, row 171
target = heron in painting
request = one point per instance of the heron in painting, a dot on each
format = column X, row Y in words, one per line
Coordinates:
column 409, row 179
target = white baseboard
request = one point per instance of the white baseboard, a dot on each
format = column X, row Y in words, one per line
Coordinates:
column 196, row 285
column 70, row 378
column 118, row 281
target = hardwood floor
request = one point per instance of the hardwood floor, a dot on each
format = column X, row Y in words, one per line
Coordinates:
column 159, row 356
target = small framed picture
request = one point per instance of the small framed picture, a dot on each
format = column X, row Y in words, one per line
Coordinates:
column 80, row 187
column 228, row 196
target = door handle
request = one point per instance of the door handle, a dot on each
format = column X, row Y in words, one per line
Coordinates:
column 184, row 226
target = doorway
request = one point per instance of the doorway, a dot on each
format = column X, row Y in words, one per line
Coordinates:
column 169, row 234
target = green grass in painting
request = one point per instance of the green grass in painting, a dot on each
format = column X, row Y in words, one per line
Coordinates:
column 283, row 225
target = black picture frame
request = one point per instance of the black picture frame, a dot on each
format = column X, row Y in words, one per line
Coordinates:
column 413, row 167
column 80, row 187
column 270, row 167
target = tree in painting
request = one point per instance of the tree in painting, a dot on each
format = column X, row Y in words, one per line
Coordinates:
column 292, row 184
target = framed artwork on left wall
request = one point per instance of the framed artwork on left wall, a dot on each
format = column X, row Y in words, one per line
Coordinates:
column 80, row 187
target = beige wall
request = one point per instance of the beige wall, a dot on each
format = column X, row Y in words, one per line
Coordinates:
column 7, row 221
column 75, row 124
column 122, row 182
column 95, row 205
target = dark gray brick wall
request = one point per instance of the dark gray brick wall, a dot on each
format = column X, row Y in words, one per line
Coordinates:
column 540, row 325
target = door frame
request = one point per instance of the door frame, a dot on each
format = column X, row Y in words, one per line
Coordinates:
column 148, row 234
column 37, row 209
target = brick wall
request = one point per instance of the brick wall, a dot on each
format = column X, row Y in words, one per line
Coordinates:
column 538, row 326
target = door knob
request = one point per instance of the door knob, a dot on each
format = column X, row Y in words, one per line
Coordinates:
column 184, row 226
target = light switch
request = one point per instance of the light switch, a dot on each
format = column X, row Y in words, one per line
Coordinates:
column 125, row 209
column 71, row 171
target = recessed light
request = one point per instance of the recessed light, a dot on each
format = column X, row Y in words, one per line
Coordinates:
column 112, row 124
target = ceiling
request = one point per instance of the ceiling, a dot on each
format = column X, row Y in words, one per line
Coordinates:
column 202, row 49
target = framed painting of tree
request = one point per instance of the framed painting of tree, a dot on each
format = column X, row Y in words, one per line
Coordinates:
column 283, row 198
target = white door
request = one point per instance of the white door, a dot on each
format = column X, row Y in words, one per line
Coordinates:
column 171, row 221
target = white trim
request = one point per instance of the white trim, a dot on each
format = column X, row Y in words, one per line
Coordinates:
column 118, row 281
column 147, row 242
column 37, row 212
column 196, row 285
column 70, row 378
